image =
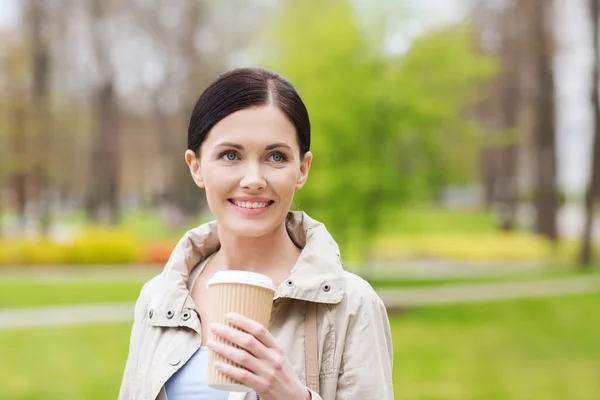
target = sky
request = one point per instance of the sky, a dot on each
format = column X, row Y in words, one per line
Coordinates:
column 573, row 73
column 8, row 13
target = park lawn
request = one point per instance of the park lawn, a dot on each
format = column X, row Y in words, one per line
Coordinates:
column 69, row 363
column 33, row 294
column 518, row 277
column 528, row 349
column 518, row 350
column 17, row 293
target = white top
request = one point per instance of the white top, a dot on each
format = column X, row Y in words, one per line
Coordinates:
column 190, row 382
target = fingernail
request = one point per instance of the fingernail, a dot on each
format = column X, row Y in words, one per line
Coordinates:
column 230, row 316
column 214, row 328
column 210, row 344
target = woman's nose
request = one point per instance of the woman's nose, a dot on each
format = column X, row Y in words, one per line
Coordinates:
column 253, row 179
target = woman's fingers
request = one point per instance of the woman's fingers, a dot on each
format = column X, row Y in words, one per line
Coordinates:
column 253, row 327
column 244, row 340
column 260, row 363
column 242, row 375
column 238, row 356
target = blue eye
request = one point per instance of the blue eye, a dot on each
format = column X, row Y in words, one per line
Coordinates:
column 278, row 157
column 229, row 156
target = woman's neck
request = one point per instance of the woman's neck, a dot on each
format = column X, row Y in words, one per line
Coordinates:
column 273, row 254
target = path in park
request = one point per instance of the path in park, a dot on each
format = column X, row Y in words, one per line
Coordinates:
column 393, row 298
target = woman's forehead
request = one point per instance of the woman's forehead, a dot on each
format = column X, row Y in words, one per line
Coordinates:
column 253, row 126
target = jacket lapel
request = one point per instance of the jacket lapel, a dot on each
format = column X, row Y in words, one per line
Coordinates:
column 316, row 277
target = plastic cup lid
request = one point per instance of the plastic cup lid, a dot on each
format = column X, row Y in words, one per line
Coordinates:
column 243, row 277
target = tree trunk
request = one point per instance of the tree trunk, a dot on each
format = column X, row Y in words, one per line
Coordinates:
column 41, row 111
column 509, row 103
column 102, row 204
column 20, row 178
column 103, row 201
column 546, row 196
column 183, row 191
column 586, row 255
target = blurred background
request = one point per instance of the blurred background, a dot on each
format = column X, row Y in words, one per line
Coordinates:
column 457, row 163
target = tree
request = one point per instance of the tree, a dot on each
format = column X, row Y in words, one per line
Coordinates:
column 544, row 130
column 16, row 155
column 586, row 254
column 103, row 185
column 386, row 129
column 41, row 116
column 504, row 104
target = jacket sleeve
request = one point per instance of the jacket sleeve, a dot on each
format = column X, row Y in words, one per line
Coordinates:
column 366, row 371
column 126, row 391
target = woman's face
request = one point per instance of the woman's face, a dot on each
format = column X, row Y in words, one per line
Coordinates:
column 250, row 166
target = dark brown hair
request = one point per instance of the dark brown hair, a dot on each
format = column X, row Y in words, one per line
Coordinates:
column 242, row 88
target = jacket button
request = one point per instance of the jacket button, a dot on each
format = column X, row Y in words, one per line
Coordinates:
column 326, row 288
column 174, row 361
column 150, row 313
column 290, row 283
column 170, row 314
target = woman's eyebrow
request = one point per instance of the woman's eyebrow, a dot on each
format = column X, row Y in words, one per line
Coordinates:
column 230, row 144
column 276, row 145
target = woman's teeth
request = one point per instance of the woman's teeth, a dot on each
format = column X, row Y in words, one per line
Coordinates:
column 249, row 204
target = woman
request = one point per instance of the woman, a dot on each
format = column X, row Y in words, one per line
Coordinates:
column 248, row 147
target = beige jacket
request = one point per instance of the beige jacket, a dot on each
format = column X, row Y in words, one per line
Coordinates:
column 354, row 340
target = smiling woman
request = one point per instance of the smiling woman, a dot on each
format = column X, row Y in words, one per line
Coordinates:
column 248, row 148
column 250, row 153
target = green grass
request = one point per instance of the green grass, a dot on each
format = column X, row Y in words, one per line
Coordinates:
column 531, row 349
column 426, row 220
column 144, row 223
column 18, row 292
column 147, row 225
column 545, row 349
column 71, row 363
column 524, row 277
column 58, row 293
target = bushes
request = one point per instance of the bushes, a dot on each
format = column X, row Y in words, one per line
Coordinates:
column 474, row 247
column 423, row 233
column 120, row 247
column 157, row 252
column 97, row 246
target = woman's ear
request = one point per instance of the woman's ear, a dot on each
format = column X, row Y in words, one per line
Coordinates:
column 194, row 163
column 304, row 169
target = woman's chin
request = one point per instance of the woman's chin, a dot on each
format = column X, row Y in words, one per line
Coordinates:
column 250, row 227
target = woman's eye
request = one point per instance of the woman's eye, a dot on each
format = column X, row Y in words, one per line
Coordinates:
column 229, row 156
column 278, row 157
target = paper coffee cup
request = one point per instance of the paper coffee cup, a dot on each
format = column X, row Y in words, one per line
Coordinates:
column 247, row 293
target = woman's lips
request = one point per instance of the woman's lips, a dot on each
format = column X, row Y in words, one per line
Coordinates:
column 251, row 207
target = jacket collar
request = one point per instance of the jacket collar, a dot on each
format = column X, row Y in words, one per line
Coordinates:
column 317, row 275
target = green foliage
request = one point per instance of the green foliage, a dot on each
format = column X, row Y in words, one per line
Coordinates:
column 386, row 130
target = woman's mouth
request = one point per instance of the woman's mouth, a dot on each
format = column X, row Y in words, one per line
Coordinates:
column 251, row 207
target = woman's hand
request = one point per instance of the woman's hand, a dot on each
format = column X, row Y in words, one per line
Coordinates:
column 266, row 369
